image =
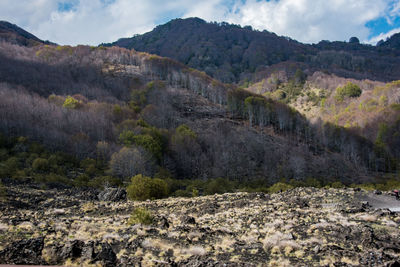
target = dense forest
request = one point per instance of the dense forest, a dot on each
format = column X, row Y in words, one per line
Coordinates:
column 231, row 53
column 90, row 116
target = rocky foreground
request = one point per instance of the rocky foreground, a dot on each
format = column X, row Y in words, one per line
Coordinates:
column 300, row 227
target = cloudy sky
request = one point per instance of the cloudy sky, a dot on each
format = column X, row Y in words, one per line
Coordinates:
column 96, row 21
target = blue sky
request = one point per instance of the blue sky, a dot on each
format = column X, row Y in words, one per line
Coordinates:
column 96, row 21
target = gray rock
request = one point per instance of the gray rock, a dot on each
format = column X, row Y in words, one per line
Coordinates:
column 73, row 249
column 112, row 194
column 27, row 251
column 107, row 256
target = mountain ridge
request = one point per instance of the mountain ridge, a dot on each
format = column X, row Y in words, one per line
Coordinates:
column 232, row 53
column 14, row 34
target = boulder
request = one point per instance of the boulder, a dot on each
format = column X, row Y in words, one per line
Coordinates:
column 112, row 194
column 26, row 251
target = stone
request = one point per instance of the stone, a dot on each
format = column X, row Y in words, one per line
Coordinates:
column 26, row 251
column 112, row 194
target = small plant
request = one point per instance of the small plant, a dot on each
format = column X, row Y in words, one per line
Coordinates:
column 70, row 103
column 3, row 193
column 280, row 187
column 142, row 216
column 349, row 90
column 143, row 188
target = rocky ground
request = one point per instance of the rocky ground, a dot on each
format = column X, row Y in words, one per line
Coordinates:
column 300, row 227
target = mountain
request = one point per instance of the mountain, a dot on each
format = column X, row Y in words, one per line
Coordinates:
column 222, row 50
column 92, row 139
column 393, row 42
column 303, row 76
column 110, row 107
column 13, row 34
column 231, row 53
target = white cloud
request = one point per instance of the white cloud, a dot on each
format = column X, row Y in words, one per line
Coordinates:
column 395, row 10
column 26, row 12
column 212, row 10
column 311, row 20
column 96, row 21
column 383, row 36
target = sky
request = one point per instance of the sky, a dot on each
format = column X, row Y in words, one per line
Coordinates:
column 72, row 22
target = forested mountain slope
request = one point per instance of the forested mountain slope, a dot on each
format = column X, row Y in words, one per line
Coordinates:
column 231, row 53
column 14, row 34
column 121, row 113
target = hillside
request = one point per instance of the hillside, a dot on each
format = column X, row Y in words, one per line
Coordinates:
column 115, row 157
column 374, row 114
column 13, row 34
column 79, row 97
column 231, row 53
column 104, row 104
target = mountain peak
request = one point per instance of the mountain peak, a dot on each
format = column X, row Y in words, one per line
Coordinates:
column 392, row 42
column 12, row 33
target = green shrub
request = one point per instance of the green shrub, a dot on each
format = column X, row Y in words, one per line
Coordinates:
column 183, row 134
column 82, row 180
column 3, row 192
column 184, row 130
column 85, row 163
column 388, row 185
column 142, row 216
column 279, row 187
column 102, row 181
column 9, row 167
column 312, row 182
column 337, row 185
column 52, row 178
column 70, row 103
column 3, row 154
column 182, row 193
column 146, row 141
column 349, row 90
column 150, row 144
column 19, row 174
column 40, row 164
column 218, row 186
column 143, row 188
column 368, row 187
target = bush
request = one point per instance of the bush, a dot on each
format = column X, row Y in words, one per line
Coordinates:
column 8, row 167
column 3, row 193
column 70, row 103
column 103, row 181
column 53, row 178
column 337, row 185
column 82, row 180
column 218, row 186
column 142, row 216
column 184, row 130
column 146, row 141
column 349, row 90
column 40, row 164
column 143, row 188
column 279, row 187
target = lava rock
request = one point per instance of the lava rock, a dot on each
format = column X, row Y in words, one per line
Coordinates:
column 163, row 222
column 188, row 220
column 27, row 251
column 72, row 249
column 112, row 194
column 106, row 256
